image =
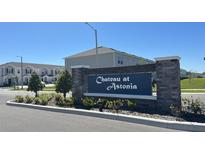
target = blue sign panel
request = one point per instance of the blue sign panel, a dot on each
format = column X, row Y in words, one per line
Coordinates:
column 129, row 84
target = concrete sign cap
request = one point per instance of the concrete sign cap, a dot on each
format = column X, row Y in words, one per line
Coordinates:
column 167, row 58
column 80, row 66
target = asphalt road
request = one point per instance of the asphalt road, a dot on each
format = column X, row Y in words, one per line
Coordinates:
column 17, row 119
column 196, row 95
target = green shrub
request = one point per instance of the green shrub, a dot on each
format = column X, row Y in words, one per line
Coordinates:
column 88, row 102
column 193, row 104
column 114, row 104
column 59, row 98
column 28, row 99
column 19, row 99
column 101, row 104
column 196, row 105
column 131, row 104
column 175, row 110
column 44, row 100
column 186, row 101
column 37, row 100
column 69, row 102
column 47, row 96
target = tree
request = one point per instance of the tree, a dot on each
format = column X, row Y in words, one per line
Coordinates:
column 64, row 83
column 35, row 84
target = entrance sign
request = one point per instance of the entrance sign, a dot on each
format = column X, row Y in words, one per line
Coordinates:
column 126, row 83
column 131, row 82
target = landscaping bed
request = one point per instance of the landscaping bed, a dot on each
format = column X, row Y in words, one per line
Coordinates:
column 191, row 110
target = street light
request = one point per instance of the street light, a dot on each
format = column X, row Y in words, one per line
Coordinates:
column 96, row 42
column 21, row 71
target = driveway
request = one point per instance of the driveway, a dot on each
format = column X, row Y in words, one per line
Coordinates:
column 17, row 119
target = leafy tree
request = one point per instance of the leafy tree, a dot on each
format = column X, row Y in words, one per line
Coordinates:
column 35, row 84
column 64, row 83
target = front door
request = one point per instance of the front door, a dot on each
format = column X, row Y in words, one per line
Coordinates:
column 9, row 82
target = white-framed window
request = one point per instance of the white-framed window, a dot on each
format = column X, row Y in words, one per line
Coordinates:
column 9, row 70
column 120, row 60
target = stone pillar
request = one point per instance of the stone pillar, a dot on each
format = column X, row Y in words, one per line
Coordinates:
column 168, row 82
column 79, row 82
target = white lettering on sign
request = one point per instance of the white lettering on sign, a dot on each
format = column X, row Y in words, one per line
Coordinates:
column 101, row 79
column 114, row 85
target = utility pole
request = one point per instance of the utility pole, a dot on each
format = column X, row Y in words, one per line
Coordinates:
column 96, row 42
column 21, row 71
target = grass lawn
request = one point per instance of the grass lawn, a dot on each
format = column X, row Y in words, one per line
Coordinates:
column 194, row 83
column 193, row 90
column 25, row 89
column 49, row 88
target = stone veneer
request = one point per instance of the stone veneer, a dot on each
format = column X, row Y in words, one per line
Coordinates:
column 168, row 82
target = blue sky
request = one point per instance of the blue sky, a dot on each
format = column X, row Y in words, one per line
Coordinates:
column 49, row 42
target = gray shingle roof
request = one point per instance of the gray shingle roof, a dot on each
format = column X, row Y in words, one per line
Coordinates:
column 102, row 50
column 18, row 64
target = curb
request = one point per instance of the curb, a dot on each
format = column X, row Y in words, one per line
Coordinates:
column 184, row 126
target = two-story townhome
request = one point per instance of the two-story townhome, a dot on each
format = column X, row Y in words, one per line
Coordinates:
column 10, row 73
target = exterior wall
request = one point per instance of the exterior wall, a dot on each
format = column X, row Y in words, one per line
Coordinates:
column 15, row 77
column 128, row 60
column 104, row 60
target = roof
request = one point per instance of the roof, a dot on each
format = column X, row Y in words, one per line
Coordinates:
column 102, row 50
column 18, row 64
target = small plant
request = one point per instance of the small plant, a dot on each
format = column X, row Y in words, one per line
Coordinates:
column 186, row 101
column 59, row 98
column 69, row 102
column 114, row 104
column 44, row 100
column 101, row 104
column 88, row 102
column 28, row 99
column 131, row 104
column 19, row 99
column 37, row 100
column 193, row 104
column 175, row 110
column 117, row 105
column 46, row 97
column 196, row 106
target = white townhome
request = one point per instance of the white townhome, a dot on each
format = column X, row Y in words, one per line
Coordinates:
column 10, row 73
column 107, row 57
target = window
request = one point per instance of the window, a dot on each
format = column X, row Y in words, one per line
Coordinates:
column 9, row 70
column 28, row 70
column 57, row 72
column 120, row 60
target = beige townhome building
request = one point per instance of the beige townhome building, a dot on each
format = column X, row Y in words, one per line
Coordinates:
column 10, row 73
column 107, row 57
